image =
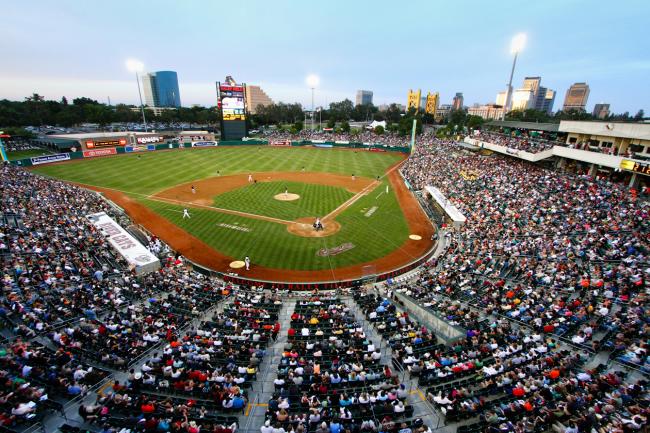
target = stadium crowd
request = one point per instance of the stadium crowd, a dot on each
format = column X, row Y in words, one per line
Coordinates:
column 525, row 143
column 546, row 261
column 387, row 138
column 549, row 271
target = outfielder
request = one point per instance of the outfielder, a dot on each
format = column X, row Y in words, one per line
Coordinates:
column 247, row 260
column 186, row 214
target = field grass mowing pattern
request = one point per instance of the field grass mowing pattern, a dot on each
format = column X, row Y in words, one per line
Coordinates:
column 155, row 171
column 315, row 200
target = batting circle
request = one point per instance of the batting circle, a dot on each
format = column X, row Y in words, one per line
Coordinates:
column 237, row 264
column 415, row 237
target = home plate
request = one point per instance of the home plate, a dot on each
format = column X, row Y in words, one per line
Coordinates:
column 415, row 237
column 237, row 264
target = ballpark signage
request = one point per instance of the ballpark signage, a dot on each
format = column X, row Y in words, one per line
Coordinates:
column 204, row 143
column 90, row 144
column 133, row 251
column 147, row 140
column 50, row 158
column 327, row 252
column 99, row 152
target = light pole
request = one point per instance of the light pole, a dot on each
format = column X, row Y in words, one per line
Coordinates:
column 312, row 82
column 137, row 66
column 516, row 45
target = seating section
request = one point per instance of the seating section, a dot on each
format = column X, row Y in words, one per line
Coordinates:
column 331, row 375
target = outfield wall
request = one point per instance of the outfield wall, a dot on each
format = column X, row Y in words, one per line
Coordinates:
column 144, row 148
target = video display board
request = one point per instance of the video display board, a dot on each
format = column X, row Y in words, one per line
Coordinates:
column 232, row 101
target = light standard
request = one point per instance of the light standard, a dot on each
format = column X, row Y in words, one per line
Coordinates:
column 516, row 45
column 137, row 66
column 312, row 82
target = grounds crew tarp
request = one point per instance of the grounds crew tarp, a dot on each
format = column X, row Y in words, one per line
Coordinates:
column 133, row 251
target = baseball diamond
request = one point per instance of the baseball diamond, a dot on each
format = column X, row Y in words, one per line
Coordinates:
column 281, row 207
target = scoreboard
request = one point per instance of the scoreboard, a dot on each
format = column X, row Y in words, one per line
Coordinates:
column 232, row 101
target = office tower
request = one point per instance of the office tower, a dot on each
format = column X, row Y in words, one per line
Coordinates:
column 601, row 110
column 255, row 97
column 161, row 89
column 364, row 97
column 457, row 103
column 576, row 97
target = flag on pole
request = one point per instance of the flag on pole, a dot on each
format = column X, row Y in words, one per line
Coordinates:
column 413, row 137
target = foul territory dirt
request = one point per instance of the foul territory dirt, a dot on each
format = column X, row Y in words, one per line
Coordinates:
column 203, row 254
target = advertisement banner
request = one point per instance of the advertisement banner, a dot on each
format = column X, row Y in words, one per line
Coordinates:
column 135, row 148
column 324, row 146
column 151, row 147
column 148, row 140
column 99, row 152
column 126, row 245
column 342, row 142
column 50, row 158
column 204, row 143
column 279, row 142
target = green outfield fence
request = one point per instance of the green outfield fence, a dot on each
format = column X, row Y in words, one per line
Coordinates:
column 98, row 153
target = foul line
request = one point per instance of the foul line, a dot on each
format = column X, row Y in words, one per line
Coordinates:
column 367, row 190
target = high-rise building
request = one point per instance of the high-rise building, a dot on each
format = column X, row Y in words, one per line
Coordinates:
column 532, row 95
column 576, row 97
column 364, row 97
column 161, row 89
column 413, row 100
column 523, row 99
column 442, row 112
column 601, row 110
column 431, row 104
column 457, row 103
column 546, row 103
column 255, row 97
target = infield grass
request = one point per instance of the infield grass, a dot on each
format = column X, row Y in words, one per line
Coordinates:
column 315, row 200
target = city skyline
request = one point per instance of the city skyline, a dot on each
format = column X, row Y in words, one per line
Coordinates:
column 65, row 55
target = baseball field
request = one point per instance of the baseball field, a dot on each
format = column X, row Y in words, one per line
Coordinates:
column 262, row 202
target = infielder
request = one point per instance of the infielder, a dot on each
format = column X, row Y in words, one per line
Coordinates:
column 193, row 190
column 186, row 214
column 247, row 260
column 250, row 177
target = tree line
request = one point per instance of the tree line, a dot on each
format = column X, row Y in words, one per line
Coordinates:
column 37, row 111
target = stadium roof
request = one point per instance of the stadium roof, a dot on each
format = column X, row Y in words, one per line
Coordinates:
column 548, row 127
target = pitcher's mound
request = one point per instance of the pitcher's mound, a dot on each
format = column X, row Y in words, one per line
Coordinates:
column 304, row 227
column 286, row 197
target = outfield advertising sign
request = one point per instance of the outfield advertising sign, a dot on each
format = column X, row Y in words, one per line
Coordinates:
column 50, row 158
column 204, row 143
column 99, row 152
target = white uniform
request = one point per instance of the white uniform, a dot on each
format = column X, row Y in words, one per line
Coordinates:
column 248, row 263
column 186, row 214
column 250, row 177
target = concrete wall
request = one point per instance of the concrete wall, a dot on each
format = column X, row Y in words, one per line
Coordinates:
column 436, row 324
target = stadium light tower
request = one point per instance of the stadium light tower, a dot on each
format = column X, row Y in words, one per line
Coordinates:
column 516, row 45
column 136, row 67
column 312, row 82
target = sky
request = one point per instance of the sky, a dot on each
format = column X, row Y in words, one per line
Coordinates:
column 78, row 48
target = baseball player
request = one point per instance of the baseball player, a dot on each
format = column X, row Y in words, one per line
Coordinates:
column 354, row 177
column 250, row 177
column 286, row 191
column 186, row 214
column 193, row 190
column 247, row 260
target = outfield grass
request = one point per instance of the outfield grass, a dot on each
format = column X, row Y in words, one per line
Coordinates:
column 374, row 233
column 315, row 200
column 22, row 154
column 160, row 170
column 270, row 244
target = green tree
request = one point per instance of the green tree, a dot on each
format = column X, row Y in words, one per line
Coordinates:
column 345, row 126
column 379, row 130
column 331, row 123
column 639, row 115
column 297, row 127
column 341, row 110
